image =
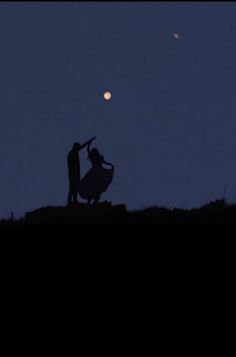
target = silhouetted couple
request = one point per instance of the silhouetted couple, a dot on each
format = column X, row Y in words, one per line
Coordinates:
column 96, row 180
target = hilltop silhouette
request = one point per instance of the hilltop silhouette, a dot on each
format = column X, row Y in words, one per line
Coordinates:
column 214, row 213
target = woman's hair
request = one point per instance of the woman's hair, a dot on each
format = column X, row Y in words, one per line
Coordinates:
column 95, row 156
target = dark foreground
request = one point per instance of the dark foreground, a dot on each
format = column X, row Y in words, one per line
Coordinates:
column 217, row 213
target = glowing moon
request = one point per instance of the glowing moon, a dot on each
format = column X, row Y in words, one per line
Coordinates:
column 107, row 95
column 176, row 35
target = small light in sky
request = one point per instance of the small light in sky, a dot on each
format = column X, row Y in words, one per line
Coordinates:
column 176, row 35
column 107, row 95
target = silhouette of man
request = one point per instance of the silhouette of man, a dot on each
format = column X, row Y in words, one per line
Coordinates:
column 73, row 164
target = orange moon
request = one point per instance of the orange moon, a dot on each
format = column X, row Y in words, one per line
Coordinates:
column 107, row 95
column 176, row 35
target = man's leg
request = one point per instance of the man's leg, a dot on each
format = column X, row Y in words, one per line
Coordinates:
column 69, row 197
column 74, row 195
column 75, row 191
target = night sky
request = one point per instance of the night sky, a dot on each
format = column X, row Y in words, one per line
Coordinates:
column 170, row 126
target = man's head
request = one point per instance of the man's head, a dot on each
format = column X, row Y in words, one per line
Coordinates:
column 76, row 146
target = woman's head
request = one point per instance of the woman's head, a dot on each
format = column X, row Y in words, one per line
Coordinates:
column 95, row 152
column 95, row 156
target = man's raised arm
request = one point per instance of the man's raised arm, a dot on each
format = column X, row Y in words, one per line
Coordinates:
column 87, row 143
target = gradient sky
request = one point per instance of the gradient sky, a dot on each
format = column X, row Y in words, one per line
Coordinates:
column 170, row 126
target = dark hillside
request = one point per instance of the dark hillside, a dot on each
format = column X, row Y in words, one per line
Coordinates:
column 216, row 213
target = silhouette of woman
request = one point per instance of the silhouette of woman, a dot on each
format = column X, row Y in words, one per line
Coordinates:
column 97, row 179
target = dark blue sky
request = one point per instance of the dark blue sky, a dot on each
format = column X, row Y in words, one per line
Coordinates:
column 170, row 126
